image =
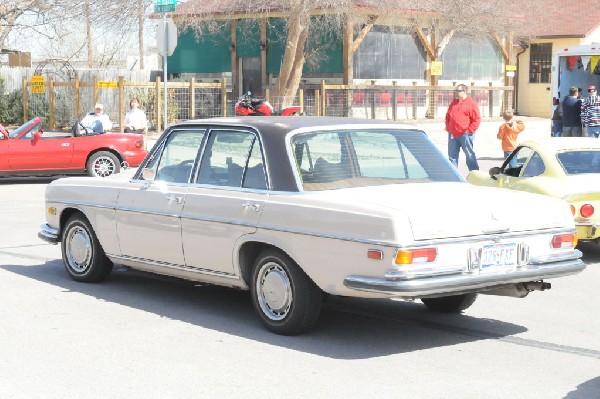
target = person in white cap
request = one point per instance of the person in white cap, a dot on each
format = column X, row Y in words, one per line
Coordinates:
column 97, row 121
column 590, row 112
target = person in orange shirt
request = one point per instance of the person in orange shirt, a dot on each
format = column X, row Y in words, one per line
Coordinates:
column 508, row 133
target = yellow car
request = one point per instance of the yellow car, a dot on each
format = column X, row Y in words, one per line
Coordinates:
column 561, row 167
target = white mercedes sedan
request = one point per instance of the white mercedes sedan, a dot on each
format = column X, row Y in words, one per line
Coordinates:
column 295, row 209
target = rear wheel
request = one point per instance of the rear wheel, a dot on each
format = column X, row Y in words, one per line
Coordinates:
column 450, row 304
column 82, row 254
column 287, row 301
column 102, row 164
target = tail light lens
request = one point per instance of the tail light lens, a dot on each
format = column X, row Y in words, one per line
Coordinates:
column 411, row 256
column 572, row 210
column 586, row 211
column 564, row 241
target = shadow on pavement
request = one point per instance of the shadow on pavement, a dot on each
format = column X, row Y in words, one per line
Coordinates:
column 348, row 328
column 27, row 180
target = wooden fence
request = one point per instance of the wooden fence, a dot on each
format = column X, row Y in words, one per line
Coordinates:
column 194, row 100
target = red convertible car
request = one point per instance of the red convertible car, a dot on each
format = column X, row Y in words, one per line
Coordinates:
column 29, row 151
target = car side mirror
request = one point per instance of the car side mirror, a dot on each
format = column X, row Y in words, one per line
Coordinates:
column 494, row 171
column 37, row 136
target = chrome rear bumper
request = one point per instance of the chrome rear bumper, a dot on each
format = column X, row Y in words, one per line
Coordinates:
column 466, row 282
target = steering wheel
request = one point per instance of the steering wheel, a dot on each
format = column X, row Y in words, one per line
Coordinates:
column 79, row 133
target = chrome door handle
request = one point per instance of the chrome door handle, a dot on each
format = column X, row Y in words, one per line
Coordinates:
column 64, row 144
column 254, row 207
column 177, row 198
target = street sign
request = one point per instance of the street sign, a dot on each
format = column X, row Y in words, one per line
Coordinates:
column 164, row 8
column 164, row 5
column 171, row 34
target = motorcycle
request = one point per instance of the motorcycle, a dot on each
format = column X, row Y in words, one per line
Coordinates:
column 247, row 105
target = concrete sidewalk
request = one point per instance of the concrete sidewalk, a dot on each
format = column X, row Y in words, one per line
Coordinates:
column 487, row 146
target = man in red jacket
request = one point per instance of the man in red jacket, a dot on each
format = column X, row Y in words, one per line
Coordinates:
column 462, row 120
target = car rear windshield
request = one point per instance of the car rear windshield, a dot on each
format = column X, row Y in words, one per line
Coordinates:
column 580, row 162
column 355, row 158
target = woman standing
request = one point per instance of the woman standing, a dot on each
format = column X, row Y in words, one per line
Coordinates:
column 135, row 118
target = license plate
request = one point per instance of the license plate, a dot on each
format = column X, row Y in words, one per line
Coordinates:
column 499, row 255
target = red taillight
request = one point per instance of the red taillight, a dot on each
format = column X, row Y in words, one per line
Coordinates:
column 420, row 255
column 374, row 254
column 586, row 211
column 564, row 241
column 139, row 144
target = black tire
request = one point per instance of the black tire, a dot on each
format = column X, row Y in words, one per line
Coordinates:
column 287, row 301
column 103, row 164
column 450, row 304
column 82, row 253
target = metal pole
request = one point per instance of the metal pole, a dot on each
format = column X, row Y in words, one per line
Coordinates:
column 165, row 47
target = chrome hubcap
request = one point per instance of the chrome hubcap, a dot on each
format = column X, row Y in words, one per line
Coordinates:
column 274, row 291
column 78, row 249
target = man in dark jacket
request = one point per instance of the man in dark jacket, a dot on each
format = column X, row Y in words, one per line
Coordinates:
column 462, row 120
column 571, row 112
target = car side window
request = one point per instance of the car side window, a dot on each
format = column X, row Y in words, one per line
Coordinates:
column 534, row 167
column 255, row 176
column 175, row 162
column 522, row 154
column 225, row 159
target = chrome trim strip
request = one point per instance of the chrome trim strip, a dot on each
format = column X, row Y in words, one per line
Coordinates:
column 167, row 265
column 541, row 260
column 49, row 234
column 415, row 244
column 461, row 282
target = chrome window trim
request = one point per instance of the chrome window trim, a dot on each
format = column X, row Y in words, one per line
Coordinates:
column 167, row 265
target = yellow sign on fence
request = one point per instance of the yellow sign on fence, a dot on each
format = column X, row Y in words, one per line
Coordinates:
column 436, row 68
column 108, row 85
column 38, row 84
column 511, row 67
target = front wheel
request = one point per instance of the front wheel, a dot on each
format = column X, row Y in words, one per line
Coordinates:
column 287, row 301
column 82, row 253
column 450, row 304
column 103, row 164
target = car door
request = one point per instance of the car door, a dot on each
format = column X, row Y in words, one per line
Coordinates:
column 226, row 201
column 149, row 210
column 26, row 151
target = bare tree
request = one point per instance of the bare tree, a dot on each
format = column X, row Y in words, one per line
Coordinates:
column 11, row 11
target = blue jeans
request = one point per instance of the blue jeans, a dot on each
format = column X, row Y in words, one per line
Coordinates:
column 557, row 128
column 571, row 131
column 96, row 127
column 593, row 131
column 513, row 162
column 464, row 141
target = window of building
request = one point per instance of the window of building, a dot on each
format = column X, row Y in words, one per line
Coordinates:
column 540, row 62
column 470, row 58
column 389, row 53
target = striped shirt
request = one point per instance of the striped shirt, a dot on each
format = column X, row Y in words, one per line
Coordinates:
column 590, row 111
